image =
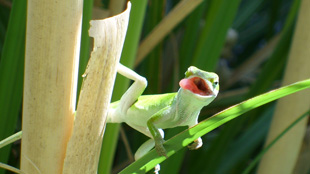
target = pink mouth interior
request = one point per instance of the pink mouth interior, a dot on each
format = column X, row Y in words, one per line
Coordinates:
column 196, row 85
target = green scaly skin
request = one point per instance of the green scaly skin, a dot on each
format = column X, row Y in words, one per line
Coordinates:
column 152, row 113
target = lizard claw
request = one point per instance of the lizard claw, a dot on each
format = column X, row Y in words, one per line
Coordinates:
column 196, row 144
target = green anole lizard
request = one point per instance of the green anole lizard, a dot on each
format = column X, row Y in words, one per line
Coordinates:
column 150, row 114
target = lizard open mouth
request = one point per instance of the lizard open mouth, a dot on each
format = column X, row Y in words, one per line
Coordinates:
column 196, row 85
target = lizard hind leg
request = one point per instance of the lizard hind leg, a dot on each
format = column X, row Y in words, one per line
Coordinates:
column 134, row 91
column 144, row 148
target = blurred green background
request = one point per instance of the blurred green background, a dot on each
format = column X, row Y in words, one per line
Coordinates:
column 245, row 41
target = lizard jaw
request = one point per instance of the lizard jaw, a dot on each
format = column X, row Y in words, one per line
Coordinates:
column 197, row 86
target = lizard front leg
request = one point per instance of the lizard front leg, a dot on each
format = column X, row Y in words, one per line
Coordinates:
column 198, row 142
column 158, row 134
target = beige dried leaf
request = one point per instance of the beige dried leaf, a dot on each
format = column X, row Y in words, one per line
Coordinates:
column 84, row 146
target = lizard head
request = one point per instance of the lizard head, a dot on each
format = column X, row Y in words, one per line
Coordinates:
column 202, row 84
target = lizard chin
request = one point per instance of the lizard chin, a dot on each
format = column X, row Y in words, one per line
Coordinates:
column 197, row 86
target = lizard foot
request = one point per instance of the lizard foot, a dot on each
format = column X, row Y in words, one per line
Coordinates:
column 196, row 144
column 160, row 148
column 157, row 169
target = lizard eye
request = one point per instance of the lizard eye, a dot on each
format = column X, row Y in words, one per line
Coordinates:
column 215, row 84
